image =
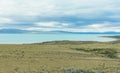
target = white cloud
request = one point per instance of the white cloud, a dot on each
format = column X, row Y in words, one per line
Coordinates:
column 29, row 11
column 58, row 7
column 103, row 27
column 52, row 24
column 39, row 29
column 5, row 20
column 98, row 27
column 47, row 24
column 26, row 7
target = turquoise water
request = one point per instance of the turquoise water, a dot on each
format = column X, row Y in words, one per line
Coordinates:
column 35, row 38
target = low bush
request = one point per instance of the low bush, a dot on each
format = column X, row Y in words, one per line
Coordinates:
column 74, row 70
column 108, row 52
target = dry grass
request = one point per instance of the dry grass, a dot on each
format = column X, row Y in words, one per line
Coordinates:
column 54, row 58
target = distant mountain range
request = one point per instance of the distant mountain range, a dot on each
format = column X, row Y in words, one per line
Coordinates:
column 87, row 32
column 12, row 31
column 15, row 31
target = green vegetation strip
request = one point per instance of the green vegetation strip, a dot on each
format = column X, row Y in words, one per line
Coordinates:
column 74, row 70
column 108, row 52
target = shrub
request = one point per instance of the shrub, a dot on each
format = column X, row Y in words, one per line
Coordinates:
column 108, row 52
column 111, row 53
column 42, row 71
column 74, row 70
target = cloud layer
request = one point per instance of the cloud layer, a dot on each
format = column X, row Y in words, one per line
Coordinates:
column 60, row 15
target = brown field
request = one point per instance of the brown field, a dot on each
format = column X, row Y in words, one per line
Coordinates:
column 54, row 58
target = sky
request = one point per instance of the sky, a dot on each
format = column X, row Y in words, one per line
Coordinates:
column 34, row 16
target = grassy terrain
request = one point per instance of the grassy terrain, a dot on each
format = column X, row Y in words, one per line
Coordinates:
column 55, row 57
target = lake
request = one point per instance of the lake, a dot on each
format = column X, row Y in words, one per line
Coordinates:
column 36, row 38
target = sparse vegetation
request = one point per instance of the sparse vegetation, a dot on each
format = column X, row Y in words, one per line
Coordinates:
column 74, row 70
column 57, row 58
column 108, row 52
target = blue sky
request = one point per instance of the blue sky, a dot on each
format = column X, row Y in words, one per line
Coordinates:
column 60, row 15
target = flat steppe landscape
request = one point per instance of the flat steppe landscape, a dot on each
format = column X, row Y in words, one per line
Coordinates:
column 60, row 57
